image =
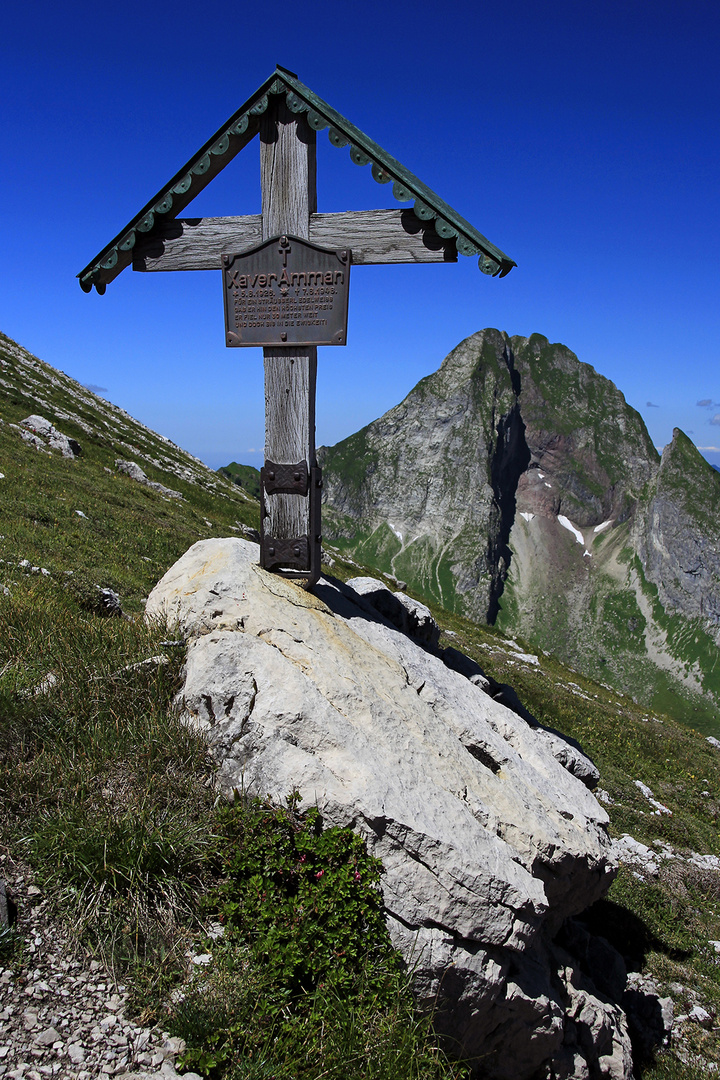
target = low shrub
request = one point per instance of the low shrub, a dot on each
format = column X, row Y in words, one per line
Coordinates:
column 306, row 982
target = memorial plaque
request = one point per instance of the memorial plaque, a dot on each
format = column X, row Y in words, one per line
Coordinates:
column 286, row 291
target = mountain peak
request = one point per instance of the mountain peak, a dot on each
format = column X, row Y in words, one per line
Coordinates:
column 515, row 484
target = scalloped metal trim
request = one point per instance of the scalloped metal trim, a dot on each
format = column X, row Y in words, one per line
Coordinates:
column 406, row 187
column 316, row 121
column 341, row 133
column 197, row 167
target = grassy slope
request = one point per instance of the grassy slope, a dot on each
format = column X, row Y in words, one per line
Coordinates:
column 245, row 476
column 103, row 755
column 130, row 534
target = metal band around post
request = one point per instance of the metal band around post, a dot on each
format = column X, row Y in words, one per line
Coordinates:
column 284, row 479
column 286, row 554
column 297, row 558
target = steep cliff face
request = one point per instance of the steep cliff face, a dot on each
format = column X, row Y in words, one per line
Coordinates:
column 579, row 428
column 518, row 486
column 678, row 535
column 427, row 491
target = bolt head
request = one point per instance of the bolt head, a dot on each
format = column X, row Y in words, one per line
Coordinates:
column 271, row 551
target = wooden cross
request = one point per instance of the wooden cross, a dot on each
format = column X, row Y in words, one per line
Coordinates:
column 287, row 117
column 289, row 197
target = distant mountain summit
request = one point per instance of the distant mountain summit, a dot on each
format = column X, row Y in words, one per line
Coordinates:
column 517, row 486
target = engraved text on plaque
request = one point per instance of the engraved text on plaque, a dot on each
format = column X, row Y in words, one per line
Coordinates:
column 286, row 291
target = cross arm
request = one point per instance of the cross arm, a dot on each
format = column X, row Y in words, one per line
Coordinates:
column 373, row 236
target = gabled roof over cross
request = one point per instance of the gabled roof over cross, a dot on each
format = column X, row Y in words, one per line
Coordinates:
column 156, row 240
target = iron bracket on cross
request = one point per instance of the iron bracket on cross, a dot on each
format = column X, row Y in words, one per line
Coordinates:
column 298, row 556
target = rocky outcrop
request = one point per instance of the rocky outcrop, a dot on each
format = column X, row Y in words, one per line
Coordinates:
column 41, row 433
column 517, row 486
column 133, row 470
column 405, row 614
column 489, row 843
column 57, row 403
column 678, row 536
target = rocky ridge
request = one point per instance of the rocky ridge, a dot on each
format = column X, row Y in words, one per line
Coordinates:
column 63, row 405
column 516, row 485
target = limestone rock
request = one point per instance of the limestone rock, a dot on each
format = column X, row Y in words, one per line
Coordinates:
column 108, row 602
column 48, row 1037
column 565, row 749
column 597, row 1042
column 133, row 470
column 650, row 1015
column 46, row 434
column 488, row 842
column 248, row 532
column 407, row 615
column 571, row 756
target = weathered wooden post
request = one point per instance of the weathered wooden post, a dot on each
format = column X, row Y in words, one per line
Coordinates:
column 286, row 276
column 289, row 197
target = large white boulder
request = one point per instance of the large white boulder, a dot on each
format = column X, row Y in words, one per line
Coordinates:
column 488, row 842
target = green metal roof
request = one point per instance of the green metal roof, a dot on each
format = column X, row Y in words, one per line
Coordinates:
column 242, row 126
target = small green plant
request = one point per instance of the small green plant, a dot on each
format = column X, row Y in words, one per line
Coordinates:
column 306, row 898
column 306, row 982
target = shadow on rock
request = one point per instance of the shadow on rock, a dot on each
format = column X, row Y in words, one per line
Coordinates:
column 627, row 933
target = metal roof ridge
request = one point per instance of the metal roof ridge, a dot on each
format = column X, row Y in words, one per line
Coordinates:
column 234, row 135
column 386, row 168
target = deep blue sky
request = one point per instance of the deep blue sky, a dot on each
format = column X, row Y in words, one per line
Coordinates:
column 581, row 137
